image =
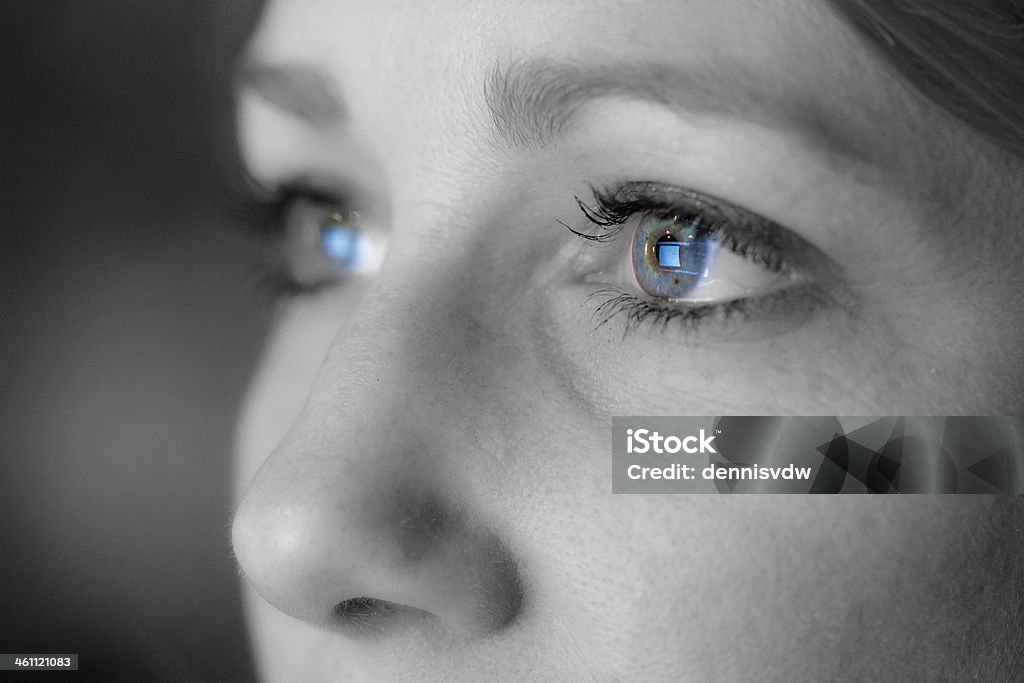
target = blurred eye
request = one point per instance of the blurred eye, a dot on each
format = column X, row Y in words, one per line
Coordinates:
column 323, row 243
column 681, row 258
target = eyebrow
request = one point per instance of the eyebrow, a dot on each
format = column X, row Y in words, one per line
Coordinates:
column 533, row 102
column 299, row 90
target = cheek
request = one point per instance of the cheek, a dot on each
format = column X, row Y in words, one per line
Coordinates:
column 687, row 581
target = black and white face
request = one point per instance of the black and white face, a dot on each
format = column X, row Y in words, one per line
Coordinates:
column 424, row 451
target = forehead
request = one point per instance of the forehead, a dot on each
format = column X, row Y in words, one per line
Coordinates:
column 420, row 71
column 452, row 32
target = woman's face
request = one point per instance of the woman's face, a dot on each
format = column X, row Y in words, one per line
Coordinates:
column 432, row 428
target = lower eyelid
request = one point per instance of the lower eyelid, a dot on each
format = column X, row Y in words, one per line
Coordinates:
column 759, row 318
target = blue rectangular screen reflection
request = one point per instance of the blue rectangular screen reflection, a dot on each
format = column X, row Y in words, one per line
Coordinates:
column 668, row 255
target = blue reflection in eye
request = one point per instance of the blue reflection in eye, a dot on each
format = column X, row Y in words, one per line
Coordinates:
column 668, row 253
column 345, row 246
column 340, row 243
column 671, row 255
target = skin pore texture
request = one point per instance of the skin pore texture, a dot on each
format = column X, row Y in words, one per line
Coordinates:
column 435, row 435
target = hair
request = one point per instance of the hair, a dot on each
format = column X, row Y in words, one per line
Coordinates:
column 967, row 56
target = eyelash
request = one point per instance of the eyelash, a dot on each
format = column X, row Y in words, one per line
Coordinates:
column 759, row 241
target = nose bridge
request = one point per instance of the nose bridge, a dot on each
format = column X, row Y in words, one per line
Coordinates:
column 421, row 342
column 415, row 353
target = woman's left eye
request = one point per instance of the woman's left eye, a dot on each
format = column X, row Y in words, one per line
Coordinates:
column 682, row 258
column 692, row 258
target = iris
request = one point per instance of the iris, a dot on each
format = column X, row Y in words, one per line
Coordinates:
column 671, row 255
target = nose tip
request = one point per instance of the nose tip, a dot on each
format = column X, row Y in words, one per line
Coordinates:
column 375, row 562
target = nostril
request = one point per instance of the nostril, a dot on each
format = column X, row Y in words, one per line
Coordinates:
column 371, row 616
column 406, row 563
column 364, row 608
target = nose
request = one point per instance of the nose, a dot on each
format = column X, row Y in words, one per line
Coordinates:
column 359, row 523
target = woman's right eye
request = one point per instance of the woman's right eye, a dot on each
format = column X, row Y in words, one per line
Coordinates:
column 323, row 243
column 315, row 239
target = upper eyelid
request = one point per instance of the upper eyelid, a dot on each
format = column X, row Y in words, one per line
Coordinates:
column 616, row 206
column 277, row 155
column 283, row 197
column 318, row 190
column 658, row 196
column 799, row 250
column 292, row 193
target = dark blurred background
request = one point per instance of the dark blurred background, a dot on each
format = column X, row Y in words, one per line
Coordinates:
column 128, row 326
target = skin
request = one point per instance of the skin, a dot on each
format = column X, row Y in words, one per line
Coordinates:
column 435, row 434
